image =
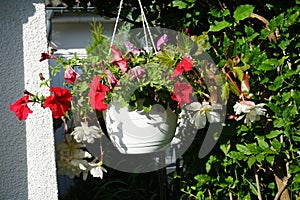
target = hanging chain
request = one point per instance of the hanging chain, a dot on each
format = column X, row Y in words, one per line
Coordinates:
column 145, row 27
column 115, row 28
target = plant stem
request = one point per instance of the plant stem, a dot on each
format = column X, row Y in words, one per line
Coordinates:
column 230, row 195
column 257, row 186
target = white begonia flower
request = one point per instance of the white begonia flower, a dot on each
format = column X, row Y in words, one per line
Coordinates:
column 97, row 169
column 250, row 110
column 72, row 158
column 202, row 112
column 86, row 133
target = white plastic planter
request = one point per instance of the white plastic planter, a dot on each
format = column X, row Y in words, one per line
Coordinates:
column 137, row 132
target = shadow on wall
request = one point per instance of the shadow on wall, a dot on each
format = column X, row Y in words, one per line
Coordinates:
column 13, row 159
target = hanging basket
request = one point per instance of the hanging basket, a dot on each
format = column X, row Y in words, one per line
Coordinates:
column 137, row 132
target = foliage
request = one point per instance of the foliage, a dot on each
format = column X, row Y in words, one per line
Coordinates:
column 256, row 46
column 261, row 38
column 247, row 158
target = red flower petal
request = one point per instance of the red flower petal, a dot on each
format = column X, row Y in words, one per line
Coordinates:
column 97, row 94
column 184, row 66
column 118, row 59
column 20, row 108
column 181, row 93
column 60, row 102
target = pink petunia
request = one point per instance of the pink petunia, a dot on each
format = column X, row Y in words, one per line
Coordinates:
column 161, row 42
column 131, row 48
column 71, row 75
column 112, row 80
column 118, row 59
column 138, row 72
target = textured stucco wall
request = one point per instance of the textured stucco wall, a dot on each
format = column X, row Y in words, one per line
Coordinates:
column 27, row 164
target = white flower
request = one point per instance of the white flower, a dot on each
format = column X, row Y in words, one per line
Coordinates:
column 86, row 133
column 202, row 112
column 249, row 109
column 97, row 169
column 72, row 158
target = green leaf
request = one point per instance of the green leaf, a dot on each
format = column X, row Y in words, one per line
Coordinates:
column 262, row 144
column 296, row 138
column 254, row 35
column 217, row 26
column 278, row 123
column 283, row 44
column 266, row 67
column 270, row 159
column 294, row 168
column 253, row 148
column 236, row 155
column 202, row 179
column 229, row 179
column 276, row 144
column 180, row 4
column 242, row 12
column 269, row 64
column 273, row 134
column 251, row 161
column 249, row 30
column 276, row 84
column 260, row 157
column 243, row 149
column 225, row 91
column 239, row 72
column 286, row 96
column 293, row 18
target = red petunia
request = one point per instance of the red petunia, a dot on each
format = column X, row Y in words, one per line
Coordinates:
column 20, row 108
column 97, row 94
column 181, row 93
column 45, row 56
column 118, row 59
column 184, row 66
column 59, row 102
column 71, row 75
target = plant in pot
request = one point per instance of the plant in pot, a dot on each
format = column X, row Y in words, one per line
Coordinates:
column 140, row 92
column 139, row 95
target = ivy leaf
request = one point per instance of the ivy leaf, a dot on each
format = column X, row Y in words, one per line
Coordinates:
column 242, row 12
column 217, row 26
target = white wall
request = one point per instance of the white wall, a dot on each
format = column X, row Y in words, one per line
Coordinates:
column 27, row 161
